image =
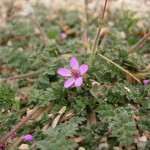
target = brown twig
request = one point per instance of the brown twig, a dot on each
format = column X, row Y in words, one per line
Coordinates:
column 91, row 119
column 28, row 75
column 22, row 122
column 139, row 43
column 60, row 113
column 33, row 20
column 37, row 116
column 67, row 116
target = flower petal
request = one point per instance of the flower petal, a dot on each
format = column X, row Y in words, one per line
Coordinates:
column 69, row 82
column 78, row 81
column 145, row 82
column 28, row 137
column 74, row 63
column 64, row 72
column 63, row 35
column 83, row 69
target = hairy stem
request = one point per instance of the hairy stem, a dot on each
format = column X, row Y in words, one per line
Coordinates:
column 94, row 48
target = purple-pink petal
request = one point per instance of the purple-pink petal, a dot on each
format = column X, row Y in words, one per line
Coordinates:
column 80, row 53
column 64, row 72
column 2, row 146
column 78, row 81
column 145, row 82
column 74, row 63
column 69, row 82
column 28, row 137
column 14, row 135
column 83, row 69
column 63, row 35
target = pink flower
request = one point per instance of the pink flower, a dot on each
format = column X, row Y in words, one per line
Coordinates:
column 80, row 53
column 63, row 35
column 28, row 137
column 145, row 82
column 14, row 135
column 75, row 74
column 2, row 146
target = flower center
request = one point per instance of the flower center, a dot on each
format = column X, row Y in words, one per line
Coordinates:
column 75, row 74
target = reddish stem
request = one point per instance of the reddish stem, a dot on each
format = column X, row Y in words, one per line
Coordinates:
column 92, row 57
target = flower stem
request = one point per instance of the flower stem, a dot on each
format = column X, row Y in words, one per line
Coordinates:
column 94, row 48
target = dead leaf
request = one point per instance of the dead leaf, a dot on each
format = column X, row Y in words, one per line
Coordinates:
column 79, row 139
column 130, row 79
column 67, row 116
column 142, row 139
column 81, row 148
column 103, row 146
column 23, row 147
column 56, row 120
column 92, row 119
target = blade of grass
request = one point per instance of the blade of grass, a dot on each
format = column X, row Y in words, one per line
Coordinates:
column 116, row 65
column 139, row 43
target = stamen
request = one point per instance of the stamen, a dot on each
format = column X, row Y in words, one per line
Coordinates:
column 75, row 74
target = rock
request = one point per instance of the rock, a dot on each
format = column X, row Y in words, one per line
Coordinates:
column 142, row 139
column 23, row 147
column 81, row 148
column 102, row 146
column 141, row 145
